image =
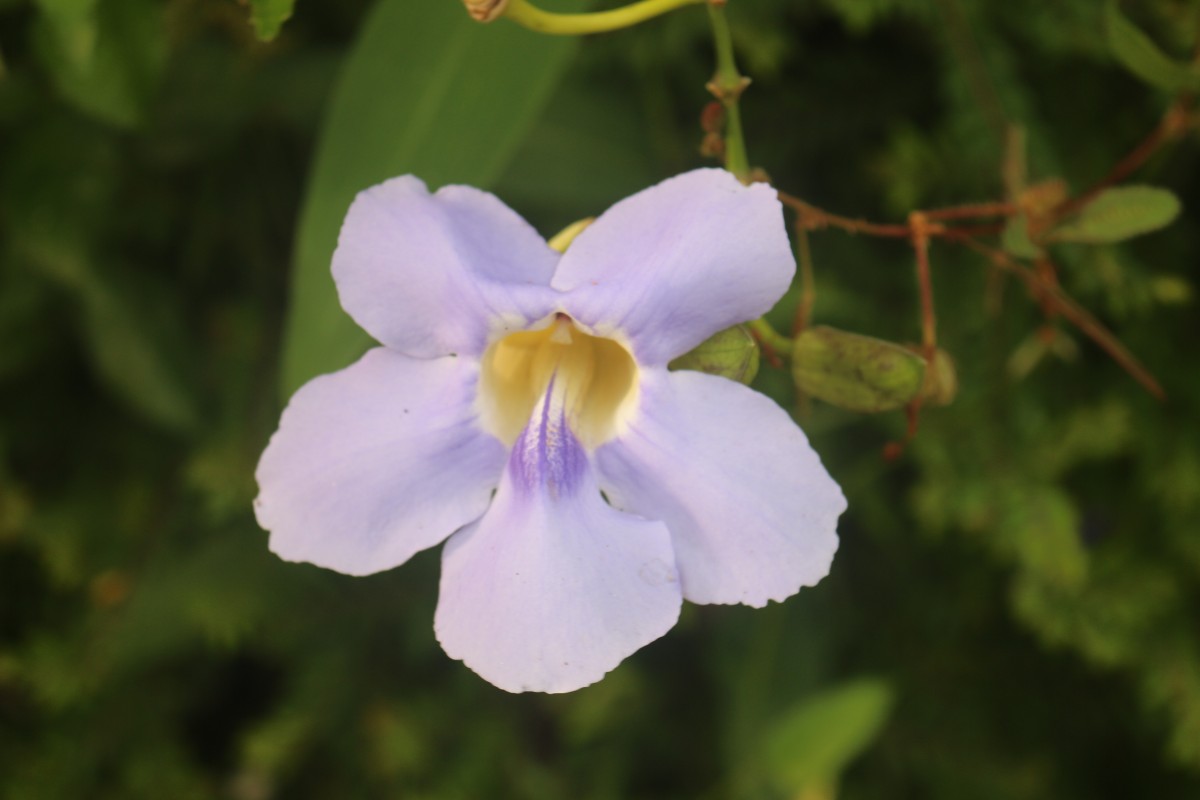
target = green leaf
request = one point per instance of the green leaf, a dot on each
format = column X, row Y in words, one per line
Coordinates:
column 105, row 56
column 268, row 16
column 128, row 353
column 428, row 92
column 58, row 190
column 814, row 741
column 127, row 350
column 585, row 150
column 1119, row 214
column 1141, row 56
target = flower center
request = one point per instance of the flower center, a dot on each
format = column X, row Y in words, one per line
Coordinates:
column 594, row 379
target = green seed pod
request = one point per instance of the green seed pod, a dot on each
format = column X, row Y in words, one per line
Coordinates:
column 856, row 372
column 941, row 380
column 731, row 353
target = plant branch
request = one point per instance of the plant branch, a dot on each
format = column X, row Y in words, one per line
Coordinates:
column 774, row 343
column 808, row 286
column 727, row 86
column 1073, row 312
column 525, row 13
column 1173, row 125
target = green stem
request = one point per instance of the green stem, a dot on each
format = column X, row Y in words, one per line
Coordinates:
column 525, row 13
column 781, row 344
column 727, row 85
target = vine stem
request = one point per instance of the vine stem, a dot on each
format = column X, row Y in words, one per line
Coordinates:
column 808, row 284
column 525, row 13
column 920, row 242
column 779, row 344
column 727, row 86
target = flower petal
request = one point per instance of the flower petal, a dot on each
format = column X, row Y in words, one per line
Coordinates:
column 377, row 462
column 674, row 264
column 752, row 513
column 553, row 588
column 431, row 275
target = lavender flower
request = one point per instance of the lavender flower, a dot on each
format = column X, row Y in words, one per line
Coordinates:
column 514, row 386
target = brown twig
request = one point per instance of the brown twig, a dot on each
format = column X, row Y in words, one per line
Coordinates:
column 808, row 287
column 920, row 242
column 1173, row 125
column 814, row 218
column 1048, row 275
column 1041, row 281
column 1073, row 312
column 973, row 211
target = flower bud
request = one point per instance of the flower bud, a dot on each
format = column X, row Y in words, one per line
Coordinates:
column 485, row 10
column 856, row 372
column 731, row 353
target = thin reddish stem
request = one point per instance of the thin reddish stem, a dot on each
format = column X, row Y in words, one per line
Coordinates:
column 1075, row 313
column 808, row 286
column 920, row 241
column 812, row 218
column 1173, row 124
column 973, row 211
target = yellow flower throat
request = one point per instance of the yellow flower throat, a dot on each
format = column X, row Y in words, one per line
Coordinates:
column 595, row 380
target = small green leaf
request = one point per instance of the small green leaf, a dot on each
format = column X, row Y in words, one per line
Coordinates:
column 1141, row 56
column 268, row 16
column 856, row 372
column 731, row 353
column 1119, row 214
column 814, row 741
column 425, row 91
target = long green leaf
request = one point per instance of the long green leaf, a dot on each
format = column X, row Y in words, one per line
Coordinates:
column 816, row 739
column 426, row 91
column 1141, row 56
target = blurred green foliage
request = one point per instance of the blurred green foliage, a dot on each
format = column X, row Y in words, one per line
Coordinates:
column 1022, row 585
column 454, row 112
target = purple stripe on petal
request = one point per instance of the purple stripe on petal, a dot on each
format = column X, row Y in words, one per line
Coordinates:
column 547, row 456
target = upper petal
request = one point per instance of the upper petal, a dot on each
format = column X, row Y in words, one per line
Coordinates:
column 553, row 588
column 752, row 513
column 435, row 274
column 377, row 462
column 675, row 263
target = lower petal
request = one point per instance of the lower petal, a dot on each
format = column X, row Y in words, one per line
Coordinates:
column 374, row 463
column 751, row 510
column 553, row 588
